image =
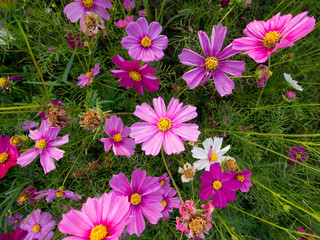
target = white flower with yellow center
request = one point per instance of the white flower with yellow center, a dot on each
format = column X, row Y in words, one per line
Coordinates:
column 211, row 153
column 292, row 82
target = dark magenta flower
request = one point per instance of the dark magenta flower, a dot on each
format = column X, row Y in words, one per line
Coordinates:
column 17, row 234
column 27, row 195
column 8, row 155
column 296, row 153
column 164, row 180
column 291, row 95
column 300, row 229
column 244, row 178
column 75, row 40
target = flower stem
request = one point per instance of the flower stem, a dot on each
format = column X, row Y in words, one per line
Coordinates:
column 267, row 78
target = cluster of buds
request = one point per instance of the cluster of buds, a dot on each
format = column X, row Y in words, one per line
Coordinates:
column 57, row 117
column 91, row 25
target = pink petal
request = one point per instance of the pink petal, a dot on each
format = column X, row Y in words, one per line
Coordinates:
column 74, row 11
column 227, row 52
column 153, row 144
column 172, row 143
column 147, row 55
column 157, row 52
column 137, row 225
column 194, row 76
column 142, row 131
column 138, row 87
column 154, row 30
column 160, row 42
column 129, row 42
column 46, row 161
column 55, row 153
column 101, row 11
column 234, row 68
column 186, row 113
column 255, row 29
column 96, row 69
column 92, row 210
column 173, row 107
column 134, row 30
column 103, row 3
column 135, row 52
column 152, row 211
column 146, row 70
column 159, row 107
column 224, row 84
column 114, row 125
column 120, row 184
column 191, row 58
column 187, row 131
column 27, row 157
column 59, row 141
column 217, row 38
column 146, row 113
column 35, row 135
column 123, row 149
column 205, row 43
column 247, row 43
column 143, row 23
column 150, row 83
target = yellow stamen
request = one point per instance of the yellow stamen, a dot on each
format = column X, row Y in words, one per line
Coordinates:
column 59, row 194
column 216, row 185
column 3, row 157
column 87, row 3
column 197, row 225
column 98, row 232
column 214, row 157
column 164, row 203
column 16, row 221
column 117, row 137
column 135, row 199
column 4, row 82
column 230, row 165
column 211, row 63
column 89, row 74
column 271, row 39
column 130, row 8
column 188, row 173
column 298, row 156
column 135, row 76
column 42, row 144
column 146, row 42
column 162, row 183
column 36, row 228
column 240, row 177
column 23, row 198
column 164, row 124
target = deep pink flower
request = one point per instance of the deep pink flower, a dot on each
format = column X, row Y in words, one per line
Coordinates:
column 220, row 185
column 244, row 178
column 261, row 73
column 298, row 154
column 119, row 141
column 39, row 225
column 143, row 13
column 27, row 195
column 144, row 42
column 212, row 64
column 51, row 194
column 87, row 78
column 45, row 110
column 169, row 202
column 129, row 4
column 300, row 229
column 29, row 125
column 164, row 180
column 123, row 23
column 290, row 95
column 164, row 127
column 103, row 218
column 144, row 198
column 131, row 74
column 8, row 155
column 263, row 38
column 80, row 8
column 75, row 40
column 17, row 234
column 15, row 220
column 46, row 140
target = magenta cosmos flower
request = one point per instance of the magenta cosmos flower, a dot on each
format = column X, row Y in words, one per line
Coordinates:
column 164, row 127
column 212, row 65
column 99, row 219
column 51, row 194
column 39, row 225
column 15, row 220
column 220, row 185
column 263, row 38
column 144, row 198
column 143, row 13
column 8, row 155
column 17, row 234
column 296, row 154
column 123, row 23
column 144, row 42
column 169, row 202
column 164, row 180
column 119, row 141
column 129, row 4
column 87, row 78
column 244, row 178
column 46, row 140
column 80, row 8
column 300, row 229
column 131, row 74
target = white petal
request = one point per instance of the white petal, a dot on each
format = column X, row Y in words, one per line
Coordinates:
column 217, row 145
column 224, row 150
column 184, row 179
column 201, row 164
column 199, row 153
column 207, row 144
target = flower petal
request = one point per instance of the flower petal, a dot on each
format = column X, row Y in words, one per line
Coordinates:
column 191, row 58
column 194, row 76
column 224, row 84
column 234, row 68
column 205, row 43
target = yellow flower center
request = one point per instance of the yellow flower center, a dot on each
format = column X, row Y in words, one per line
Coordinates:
column 135, row 76
column 36, row 228
column 271, row 39
column 16, row 140
column 59, row 194
column 89, row 74
column 3, row 157
column 4, row 82
column 240, row 177
column 230, row 165
column 188, row 173
column 197, row 225
column 146, row 42
column 211, row 63
column 298, row 156
column 98, row 232
column 162, row 183
column 23, row 198
column 145, row 13
column 87, row 3
column 164, row 203
column 117, row 137
column 42, row 144
column 216, row 185
column 16, row 221
column 213, row 157
column 135, row 199
column 130, row 8
column 164, row 124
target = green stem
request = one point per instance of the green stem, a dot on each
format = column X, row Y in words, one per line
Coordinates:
column 226, row 14
column 162, row 6
column 267, row 78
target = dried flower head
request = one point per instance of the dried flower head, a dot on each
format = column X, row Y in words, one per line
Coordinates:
column 80, row 173
column 91, row 25
column 91, row 120
column 17, row 140
column 188, row 172
column 229, row 164
column 27, row 195
column 93, row 166
column 57, row 117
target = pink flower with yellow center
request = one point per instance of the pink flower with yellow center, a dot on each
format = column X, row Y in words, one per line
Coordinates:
column 51, row 194
column 87, row 78
column 8, row 155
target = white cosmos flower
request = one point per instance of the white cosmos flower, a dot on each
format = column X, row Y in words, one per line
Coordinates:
column 292, row 82
column 211, row 153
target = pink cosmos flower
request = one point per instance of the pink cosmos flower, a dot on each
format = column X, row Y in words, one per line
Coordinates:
column 143, row 13
column 220, row 185
column 45, row 110
column 244, row 178
column 212, row 65
column 46, row 140
column 144, row 198
column 121, row 144
column 29, row 125
column 123, row 23
column 129, row 4
column 263, row 38
column 103, row 218
column 27, row 195
column 164, row 180
column 194, row 223
column 15, row 220
column 17, row 234
column 261, row 73
column 39, row 225
column 8, row 155
column 80, row 8
column 144, row 42
column 51, row 194
column 164, row 127
column 131, row 74
column 169, row 202
column 87, row 78
column 290, row 95
column 300, row 229
column 298, row 154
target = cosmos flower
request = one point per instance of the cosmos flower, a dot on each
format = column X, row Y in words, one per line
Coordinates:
column 212, row 153
column 17, row 234
column 15, row 220
column 45, row 110
column 8, row 155
column 244, row 178
column 46, row 141
column 75, row 40
column 300, row 229
column 292, row 83
column 119, row 141
column 212, row 64
column 80, row 8
column 164, row 180
column 87, row 78
column 131, row 74
column 51, row 194
column 103, row 218
column 144, row 198
column 144, row 42
column 164, row 127
column 129, row 4
column 123, row 23
column 220, row 186
column 187, row 172
column 298, row 154
column 263, row 38
column 90, row 25
column 27, row 195
column 229, row 164
column 39, row 226
column 169, row 202
column 6, row 83
column 143, row 13
column 261, row 73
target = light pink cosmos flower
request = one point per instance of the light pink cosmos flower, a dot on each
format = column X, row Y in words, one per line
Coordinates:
column 143, row 13
column 122, row 145
column 123, row 23
column 164, row 127
column 46, row 140
column 131, row 74
column 51, row 194
column 87, row 78
column 103, row 218
column 212, row 65
column 144, row 42
column 144, row 198
column 263, row 38
column 8, row 155
column 129, row 4
column 169, row 202
column 15, row 220
column 39, row 225
column 80, row 8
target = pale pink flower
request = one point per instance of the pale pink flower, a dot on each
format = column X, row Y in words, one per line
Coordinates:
column 87, row 78
column 123, row 23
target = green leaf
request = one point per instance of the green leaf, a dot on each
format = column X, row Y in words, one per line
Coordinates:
column 66, row 72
